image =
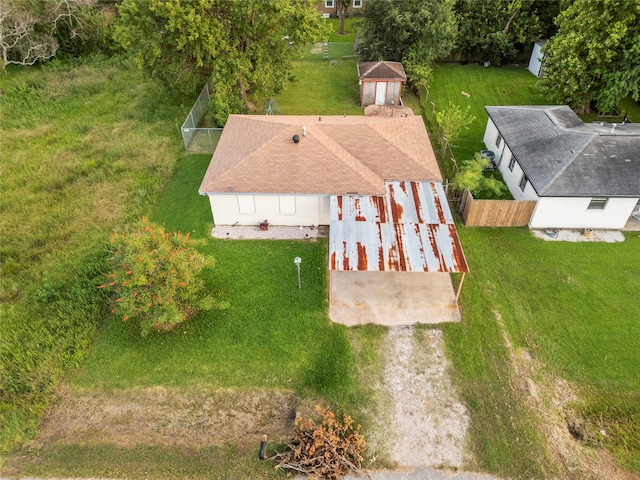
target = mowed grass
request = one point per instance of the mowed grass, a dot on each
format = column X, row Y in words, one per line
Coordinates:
column 320, row 87
column 573, row 305
column 487, row 87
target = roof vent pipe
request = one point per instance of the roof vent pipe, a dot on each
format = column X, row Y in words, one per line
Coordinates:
column 304, row 131
column 296, row 139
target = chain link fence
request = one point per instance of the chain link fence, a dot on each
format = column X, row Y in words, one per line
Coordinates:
column 201, row 140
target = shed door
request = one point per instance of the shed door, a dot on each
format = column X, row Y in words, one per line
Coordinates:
column 381, row 93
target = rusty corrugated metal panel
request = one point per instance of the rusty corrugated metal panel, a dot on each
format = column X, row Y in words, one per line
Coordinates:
column 411, row 229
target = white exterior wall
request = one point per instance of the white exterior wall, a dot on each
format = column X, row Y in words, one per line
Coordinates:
column 290, row 210
column 535, row 62
column 490, row 137
column 569, row 212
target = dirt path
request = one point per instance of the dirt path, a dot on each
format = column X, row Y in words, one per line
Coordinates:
column 428, row 421
column 170, row 417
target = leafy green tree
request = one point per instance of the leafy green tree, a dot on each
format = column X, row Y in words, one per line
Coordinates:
column 471, row 177
column 414, row 32
column 154, row 277
column 497, row 29
column 243, row 46
column 595, row 56
column 453, row 120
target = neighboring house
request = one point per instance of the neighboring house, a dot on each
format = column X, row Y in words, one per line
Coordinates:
column 381, row 83
column 329, row 8
column 581, row 175
column 535, row 62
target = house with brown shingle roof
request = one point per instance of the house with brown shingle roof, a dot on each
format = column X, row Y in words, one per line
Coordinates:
column 374, row 180
column 259, row 172
column 381, row 83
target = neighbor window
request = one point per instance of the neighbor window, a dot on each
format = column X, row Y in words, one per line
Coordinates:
column 512, row 163
column 499, row 141
column 597, row 203
column 328, row 3
column 357, row 3
column 523, row 182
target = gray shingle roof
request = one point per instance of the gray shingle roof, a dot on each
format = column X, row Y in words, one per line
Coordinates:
column 563, row 156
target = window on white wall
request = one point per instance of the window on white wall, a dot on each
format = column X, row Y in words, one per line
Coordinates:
column 328, row 3
column 523, row 182
column 357, row 3
column 498, row 141
column 597, row 203
column 287, row 204
column 246, row 204
column 512, row 163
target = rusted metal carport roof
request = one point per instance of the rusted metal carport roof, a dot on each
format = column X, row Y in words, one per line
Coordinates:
column 410, row 229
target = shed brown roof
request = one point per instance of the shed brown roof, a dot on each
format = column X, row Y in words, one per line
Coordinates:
column 338, row 155
column 381, row 71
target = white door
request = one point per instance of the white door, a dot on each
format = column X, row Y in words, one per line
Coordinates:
column 381, row 93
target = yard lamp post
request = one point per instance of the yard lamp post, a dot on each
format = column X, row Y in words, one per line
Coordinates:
column 298, row 261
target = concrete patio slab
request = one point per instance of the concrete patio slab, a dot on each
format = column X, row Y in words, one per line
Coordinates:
column 392, row 298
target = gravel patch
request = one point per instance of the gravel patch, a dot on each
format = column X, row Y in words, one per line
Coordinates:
column 565, row 235
column 429, row 422
column 274, row 232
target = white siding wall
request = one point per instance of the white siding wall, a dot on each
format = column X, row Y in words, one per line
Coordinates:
column 535, row 62
column 567, row 212
column 490, row 137
column 291, row 210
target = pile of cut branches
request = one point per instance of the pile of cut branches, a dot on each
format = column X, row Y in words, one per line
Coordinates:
column 327, row 449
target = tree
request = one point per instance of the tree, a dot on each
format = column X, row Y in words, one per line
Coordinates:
column 27, row 29
column 496, row 29
column 343, row 9
column 453, row 119
column 595, row 55
column 154, row 277
column 471, row 177
column 243, row 46
column 411, row 31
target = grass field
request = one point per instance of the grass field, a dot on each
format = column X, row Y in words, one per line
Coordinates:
column 86, row 148
column 321, row 87
column 571, row 305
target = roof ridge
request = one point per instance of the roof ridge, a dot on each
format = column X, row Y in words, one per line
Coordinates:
column 350, row 160
column 564, row 168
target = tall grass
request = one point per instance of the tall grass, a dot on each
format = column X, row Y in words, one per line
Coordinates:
column 84, row 149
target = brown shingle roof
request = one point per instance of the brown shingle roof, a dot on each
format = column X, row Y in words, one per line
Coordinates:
column 339, row 155
column 381, row 71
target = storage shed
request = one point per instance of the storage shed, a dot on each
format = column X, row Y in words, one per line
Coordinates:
column 381, row 83
column 535, row 62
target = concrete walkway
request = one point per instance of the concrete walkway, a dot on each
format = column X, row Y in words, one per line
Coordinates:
column 421, row 474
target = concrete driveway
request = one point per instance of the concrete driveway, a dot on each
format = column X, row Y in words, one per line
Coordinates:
column 392, row 298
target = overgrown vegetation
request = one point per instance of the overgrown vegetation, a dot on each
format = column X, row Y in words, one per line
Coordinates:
column 85, row 148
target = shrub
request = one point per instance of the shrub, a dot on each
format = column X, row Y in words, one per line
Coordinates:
column 324, row 450
column 154, row 277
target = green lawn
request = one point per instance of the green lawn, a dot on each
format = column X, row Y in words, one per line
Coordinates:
column 273, row 335
column 322, row 87
column 486, row 86
column 574, row 307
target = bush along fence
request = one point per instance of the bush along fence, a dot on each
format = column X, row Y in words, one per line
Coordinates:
column 474, row 212
column 201, row 140
column 495, row 213
column 442, row 147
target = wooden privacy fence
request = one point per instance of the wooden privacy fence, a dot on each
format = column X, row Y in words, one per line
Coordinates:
column 495, row 213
